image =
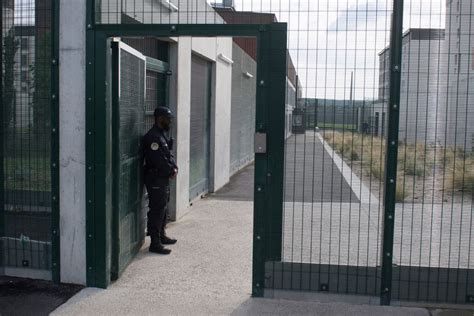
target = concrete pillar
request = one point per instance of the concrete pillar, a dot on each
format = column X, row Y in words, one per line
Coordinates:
column 180, row 97
column 72, row 140
column 221, row 116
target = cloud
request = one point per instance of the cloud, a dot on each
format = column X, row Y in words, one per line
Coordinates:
column 364, row 16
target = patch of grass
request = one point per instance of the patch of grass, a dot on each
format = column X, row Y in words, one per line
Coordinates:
column 401, row 192
column 31, row 174
column 415, row 160
column 460, row 175
column 356, row 147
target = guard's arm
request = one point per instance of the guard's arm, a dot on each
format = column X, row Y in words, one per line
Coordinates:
column 157, row 159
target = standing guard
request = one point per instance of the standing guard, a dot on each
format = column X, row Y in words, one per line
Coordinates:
column 160, row 166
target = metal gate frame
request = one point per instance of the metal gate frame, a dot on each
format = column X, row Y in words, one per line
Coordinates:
column 270, row 120
column 54, row 150
column 118, row 47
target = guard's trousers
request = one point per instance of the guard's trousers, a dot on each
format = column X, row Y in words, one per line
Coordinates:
column 158, row 197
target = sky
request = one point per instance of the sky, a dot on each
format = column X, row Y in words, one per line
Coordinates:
column 24, row 12
column 329, row 39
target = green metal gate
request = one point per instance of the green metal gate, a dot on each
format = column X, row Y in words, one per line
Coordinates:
column 29, row 140
column 270, row 90
column 128, row 127
column 375, row 197
column 134, row 99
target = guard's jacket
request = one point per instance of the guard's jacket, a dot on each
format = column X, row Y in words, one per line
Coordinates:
column 159, row 161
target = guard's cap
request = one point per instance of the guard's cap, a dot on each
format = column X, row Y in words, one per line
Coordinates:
column 163, row 111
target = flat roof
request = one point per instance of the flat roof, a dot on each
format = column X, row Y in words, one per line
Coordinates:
column 421, row 35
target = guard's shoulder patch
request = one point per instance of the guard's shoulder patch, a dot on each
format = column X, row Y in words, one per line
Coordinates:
column 154, row 146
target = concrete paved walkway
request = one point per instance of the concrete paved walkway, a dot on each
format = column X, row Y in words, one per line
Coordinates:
column 311, row 174
column 208, row 272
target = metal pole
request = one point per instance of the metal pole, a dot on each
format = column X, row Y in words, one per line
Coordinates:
column 2, row 126
column 55, row 233
column 392, row 151
column 352, row 88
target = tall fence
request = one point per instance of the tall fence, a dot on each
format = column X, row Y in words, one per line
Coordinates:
column 28, row 120
column 380, row 204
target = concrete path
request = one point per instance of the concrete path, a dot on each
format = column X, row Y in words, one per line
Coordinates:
column 208, row 272
column 311, row 175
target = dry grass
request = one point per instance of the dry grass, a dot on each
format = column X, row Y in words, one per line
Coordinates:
column 401, row 192
column 415, row 160
column 459, row 175
column 356, row 147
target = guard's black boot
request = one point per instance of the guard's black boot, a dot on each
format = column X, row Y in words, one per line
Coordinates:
column 165, row 240
column 159, row 249
column 156, row 246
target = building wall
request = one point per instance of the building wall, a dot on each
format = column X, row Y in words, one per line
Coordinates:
column 72, row 126
column 180, row 101
column 437, row 82
column 244, row 92
column 460, row 73
column 154, row 12
column 423, row 91
column 423, row 112
column 221, row 115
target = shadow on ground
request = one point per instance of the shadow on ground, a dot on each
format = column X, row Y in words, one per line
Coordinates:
column 32, row 297
column 264, row 306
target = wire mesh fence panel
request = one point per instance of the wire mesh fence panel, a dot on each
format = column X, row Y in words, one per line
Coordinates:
column 25, row 203
column 432, row 248
column 334, row 165
column 338, row 117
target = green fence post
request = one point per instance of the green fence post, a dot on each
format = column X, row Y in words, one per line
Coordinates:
column 2, row 177
column 55, row 233
column 258, row 265
column 270, row 120
column 392, row 151
column 90, row 98
column 276, row 107
column 102, row 166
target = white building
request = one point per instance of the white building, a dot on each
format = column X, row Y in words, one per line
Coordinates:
column 459, row 54
column 437, row 87
column 201, row 131
column 422, row 94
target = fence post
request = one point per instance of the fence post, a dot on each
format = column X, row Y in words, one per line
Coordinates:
column 90, row 144
column 2, row 157
column 392, row 151
column 55, row 189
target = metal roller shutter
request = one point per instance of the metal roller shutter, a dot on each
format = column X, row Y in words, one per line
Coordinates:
column 200, row 127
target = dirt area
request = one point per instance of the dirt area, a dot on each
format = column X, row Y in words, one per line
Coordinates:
column 32, row 297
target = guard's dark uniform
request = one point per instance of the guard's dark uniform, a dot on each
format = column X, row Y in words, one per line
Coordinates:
column 159, row 166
